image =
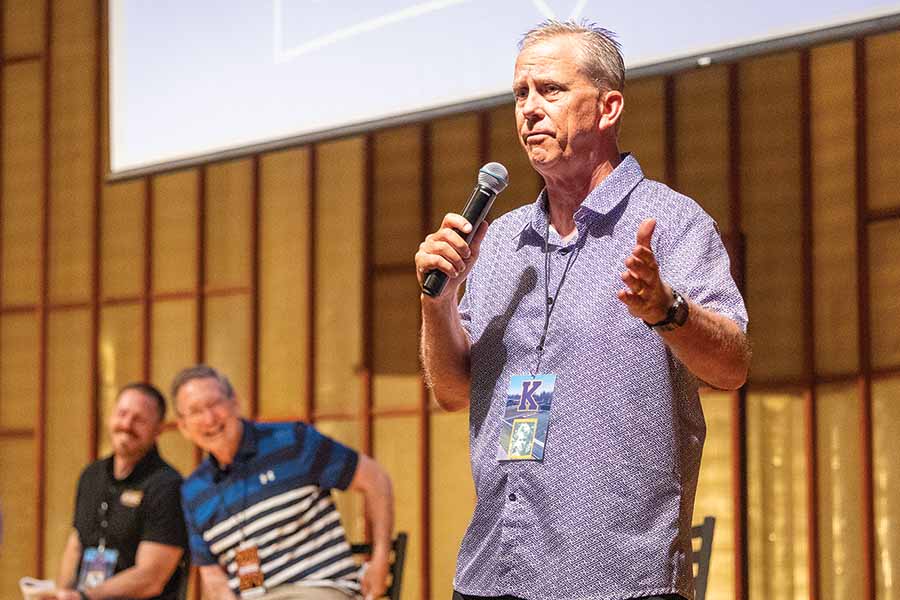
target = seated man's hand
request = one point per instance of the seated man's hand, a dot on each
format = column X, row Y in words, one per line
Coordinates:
column 66, row 595
column 374, row 578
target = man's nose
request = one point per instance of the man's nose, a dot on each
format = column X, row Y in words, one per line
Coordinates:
column 531, row 106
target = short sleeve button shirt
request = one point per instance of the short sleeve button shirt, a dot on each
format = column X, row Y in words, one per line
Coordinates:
column 607, row 513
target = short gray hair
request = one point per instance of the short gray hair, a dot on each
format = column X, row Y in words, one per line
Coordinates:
column 200, row 372
column 601, row 54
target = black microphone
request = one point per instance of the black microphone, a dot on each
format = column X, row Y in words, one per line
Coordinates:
column 492, row 179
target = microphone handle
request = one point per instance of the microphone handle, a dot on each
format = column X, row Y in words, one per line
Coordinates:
column 476, row 210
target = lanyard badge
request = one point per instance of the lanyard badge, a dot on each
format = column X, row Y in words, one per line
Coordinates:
column 97, row 565
column 526, row 417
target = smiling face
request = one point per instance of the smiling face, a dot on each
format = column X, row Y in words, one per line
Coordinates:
column 133, row 425
column 561, row 114
column 209, row 418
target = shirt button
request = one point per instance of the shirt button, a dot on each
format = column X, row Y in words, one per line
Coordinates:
column 512, row 497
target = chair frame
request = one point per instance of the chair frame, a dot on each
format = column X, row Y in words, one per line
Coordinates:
column 398, row 545
column 703, row 532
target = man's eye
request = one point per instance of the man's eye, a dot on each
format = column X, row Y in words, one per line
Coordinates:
column 520, row 94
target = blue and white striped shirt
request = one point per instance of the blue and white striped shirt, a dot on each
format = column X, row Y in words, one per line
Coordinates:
column 276, row 496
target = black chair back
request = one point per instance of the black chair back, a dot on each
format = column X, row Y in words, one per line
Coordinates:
column 702, row 555
column 397, row 562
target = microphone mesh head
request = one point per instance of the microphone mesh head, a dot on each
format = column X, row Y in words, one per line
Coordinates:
column 493, row 176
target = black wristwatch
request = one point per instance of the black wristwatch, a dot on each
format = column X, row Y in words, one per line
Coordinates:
column 676, row 316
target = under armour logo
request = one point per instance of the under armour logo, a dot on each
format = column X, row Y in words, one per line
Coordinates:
column 266, row 477
column 527, row 401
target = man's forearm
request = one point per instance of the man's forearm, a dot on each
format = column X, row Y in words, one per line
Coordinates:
column 215, row 583
column 712, row 347
column 445, row 352
column 66, row 577
column 130, row 583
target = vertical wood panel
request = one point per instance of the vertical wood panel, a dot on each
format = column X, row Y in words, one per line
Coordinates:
column 72, row 125
column 175, row 214
column 395, row 441
column 229, row 188
column 882, row 118
column 702, row 141
column 285, row 233
column 834, row 209
column 840, row 508
column 771, row 192
column 227, row 341
column 452, row 497
column 454, row 171
column 22, row 130
column 19, row 386
column 643, row 129
column 884, row 292
column 23, row 27
column 716, row 489
column 886, row 417
column 339, row 255
column 122, row 230
column 68, row 450
column 18, row 489
column 397, row 207
column 172, row 340
column 121, row 356
column 396, row 324
column 777, row 520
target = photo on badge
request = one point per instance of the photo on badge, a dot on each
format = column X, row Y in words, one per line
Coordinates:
column 526, row 417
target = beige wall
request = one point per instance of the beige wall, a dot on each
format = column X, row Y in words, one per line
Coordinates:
column 291, row 271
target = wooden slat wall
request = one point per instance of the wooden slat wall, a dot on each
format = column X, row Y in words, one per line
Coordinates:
column 291, row 271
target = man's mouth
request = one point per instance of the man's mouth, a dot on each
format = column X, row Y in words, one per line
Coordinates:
column 536, row 136
column 211, row 433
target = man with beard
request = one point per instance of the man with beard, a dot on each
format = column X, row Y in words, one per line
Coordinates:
column 129, row 538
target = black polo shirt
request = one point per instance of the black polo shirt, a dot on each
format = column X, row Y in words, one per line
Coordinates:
column 145, row 505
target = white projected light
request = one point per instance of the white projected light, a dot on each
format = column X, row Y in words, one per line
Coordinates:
column 202, row 78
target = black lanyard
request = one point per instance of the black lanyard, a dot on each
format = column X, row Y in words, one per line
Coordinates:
column 550, row 303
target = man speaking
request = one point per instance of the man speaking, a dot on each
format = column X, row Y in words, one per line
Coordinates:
column 588, row 321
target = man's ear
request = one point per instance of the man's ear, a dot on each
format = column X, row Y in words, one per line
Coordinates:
column 611, row 104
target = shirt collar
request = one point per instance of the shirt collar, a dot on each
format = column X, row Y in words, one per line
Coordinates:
column 246, row 448
column 614, row 188
column 145, row 465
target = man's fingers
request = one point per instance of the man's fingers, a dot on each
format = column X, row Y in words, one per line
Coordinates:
column 645, row 232
column 455, row 221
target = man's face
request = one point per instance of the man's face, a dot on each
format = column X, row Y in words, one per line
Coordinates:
column 206, row 416
column 557, row 106
column 133, row 424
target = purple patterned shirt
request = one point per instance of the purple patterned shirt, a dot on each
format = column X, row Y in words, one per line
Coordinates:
column 607, row 514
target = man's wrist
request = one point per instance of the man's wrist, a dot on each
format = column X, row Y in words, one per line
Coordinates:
column 82, row 595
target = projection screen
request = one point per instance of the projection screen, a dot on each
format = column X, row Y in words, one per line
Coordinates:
column 193, row 80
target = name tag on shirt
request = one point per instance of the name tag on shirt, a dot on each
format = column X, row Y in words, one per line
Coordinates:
column 526, row 417
column 250, row 576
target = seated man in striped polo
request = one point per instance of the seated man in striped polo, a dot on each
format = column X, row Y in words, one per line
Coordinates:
column 260, row 517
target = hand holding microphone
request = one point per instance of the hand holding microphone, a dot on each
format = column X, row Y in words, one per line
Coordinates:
column 448, row 253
